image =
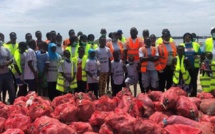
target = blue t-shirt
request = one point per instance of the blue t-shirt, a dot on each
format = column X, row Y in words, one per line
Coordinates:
column 190, row 53
column 41, row 60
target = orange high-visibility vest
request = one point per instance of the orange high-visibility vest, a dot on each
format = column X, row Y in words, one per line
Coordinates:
column 145, row 63
column 163, row 53
column 110, row 46
column 133, row 48
column 66, row 43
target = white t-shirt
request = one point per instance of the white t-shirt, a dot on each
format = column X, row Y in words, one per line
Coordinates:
column 118, row 72
column 30, row 56
column 103, row 55
column 65, row 67
column 170, row 54
column 132, row 71
column 53, row 70
column 92, row 67
column 23, row 58
column 59, row 50
column 150, row 65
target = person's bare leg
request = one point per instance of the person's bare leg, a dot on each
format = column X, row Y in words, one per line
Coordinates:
column 135, row 90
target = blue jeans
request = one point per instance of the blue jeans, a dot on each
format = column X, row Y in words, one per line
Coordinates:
column 6, row 81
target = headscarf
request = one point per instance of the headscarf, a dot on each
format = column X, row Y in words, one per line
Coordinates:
column 52, row 55
column 91, row 51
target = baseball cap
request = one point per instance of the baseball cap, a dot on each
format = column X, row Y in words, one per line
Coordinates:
column 119, row 31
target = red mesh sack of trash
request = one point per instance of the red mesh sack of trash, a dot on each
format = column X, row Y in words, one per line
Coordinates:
column 179, row 91
column 82, row 96
column 81, row 127
column 47, row 125
column 98, row 118
column 207, row 106
column 14, row 131
column 121, row 123
column 186, row 108
column 158, row 117
column 91, row 95
column 158, row 106
column 18, row 121
column 195, row 100
column 67, row 98
column 17, row 109
column 155, row 95
column 124, row 91
column 4, row 110
column 147, row 127
column 90, row 133
column 20, row 101
column 31, row 94
column 85, row 109
column 104, row 103
column 2, row 121
column 204, row 95
column 205, row 127
column 66, row 113
column 148, row 104
column 132, row 106
column 106, row 129
column 182, row 129
column 169, row 99
column 39, row 107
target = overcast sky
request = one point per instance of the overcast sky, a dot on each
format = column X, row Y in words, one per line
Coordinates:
column 89, row 16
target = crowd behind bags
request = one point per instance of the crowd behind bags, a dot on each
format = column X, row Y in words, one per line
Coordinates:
column 54, row 66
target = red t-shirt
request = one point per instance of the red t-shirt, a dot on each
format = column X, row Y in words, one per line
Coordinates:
column 79, row 71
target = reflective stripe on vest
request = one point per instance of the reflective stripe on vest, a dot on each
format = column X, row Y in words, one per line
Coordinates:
column 181, row 68
column 120, row 45
column 133, row 48
column 196, row 48
column 145, row 63
column 163, row 53
column 12, row 48
column 205, row 82
column 61, row 82
column 83, row 65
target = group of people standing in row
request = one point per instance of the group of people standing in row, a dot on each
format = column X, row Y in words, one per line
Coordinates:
column 81, row 63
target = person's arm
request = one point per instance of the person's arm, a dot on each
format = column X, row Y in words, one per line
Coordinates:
column 75, row 71
column 174, row 61
column 142, row 56
column 17, row 70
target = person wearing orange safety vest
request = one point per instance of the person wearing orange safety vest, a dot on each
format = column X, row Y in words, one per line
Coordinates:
column 149, row 60
column 66, row 42
column 131, row 48
column 167, row 52
column 115, row 45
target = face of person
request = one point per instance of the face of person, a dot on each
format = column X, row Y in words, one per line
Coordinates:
column 28, row 37
column 39, row 35
column 116, row 56
column 13, row 37
column 133, row 33
column 147, row 41
column 166, row 37
column 180, row 51
column 92, row 54
column 187, row 38
column 81, row 52
column 53, row 49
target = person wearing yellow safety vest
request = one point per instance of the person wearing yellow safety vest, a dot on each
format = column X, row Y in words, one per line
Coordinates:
column 83, row 43
column 90, row 44
column 66, row 81
column 192, row 52
column 209, row 45
column 19, row 67
column 12, row 45
column 121, row 38
column 181, row 65
column 80, row 62
column 207, row 73
column 160, row 40
column 73, row 46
